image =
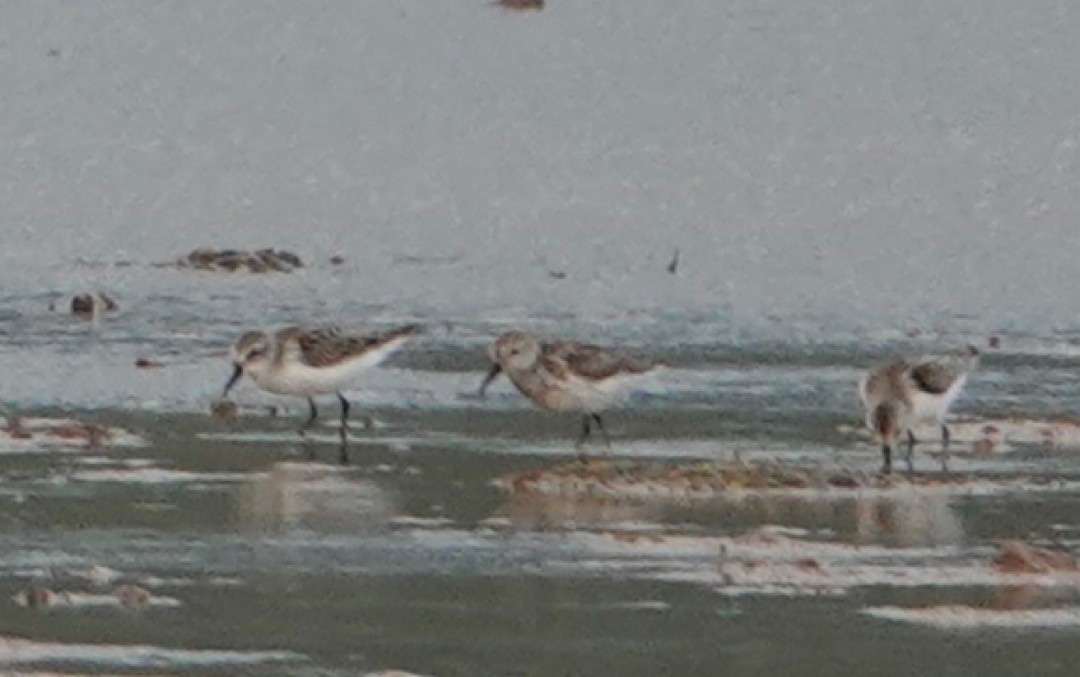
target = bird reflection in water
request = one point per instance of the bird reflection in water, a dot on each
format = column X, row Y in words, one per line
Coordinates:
column 311, row 496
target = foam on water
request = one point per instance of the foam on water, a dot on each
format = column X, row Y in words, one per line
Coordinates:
column 15, row 651
column 156, row 476
column 970, row 618
column 65, row 599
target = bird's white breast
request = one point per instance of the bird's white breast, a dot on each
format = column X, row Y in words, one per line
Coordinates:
column 930, row 407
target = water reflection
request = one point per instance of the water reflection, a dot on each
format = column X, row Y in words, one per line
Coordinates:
column 322, row 498
column 901, row 519
column 537, row 512
column 907, row 519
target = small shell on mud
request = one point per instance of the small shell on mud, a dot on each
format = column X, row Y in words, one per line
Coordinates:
column 93, row 434
column 224, row 409
column 36, row 597
column 133, row 597
column 65, row 431
column 983, row 448
column 15, row 429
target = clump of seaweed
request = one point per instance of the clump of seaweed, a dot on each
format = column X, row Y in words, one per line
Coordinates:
column 232, row 260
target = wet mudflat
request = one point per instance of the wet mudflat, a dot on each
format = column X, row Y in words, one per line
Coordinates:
column 258, row 561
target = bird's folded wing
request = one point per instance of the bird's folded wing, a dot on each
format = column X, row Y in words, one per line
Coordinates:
column 587, row 361
column 934, row 376
column 327, row 346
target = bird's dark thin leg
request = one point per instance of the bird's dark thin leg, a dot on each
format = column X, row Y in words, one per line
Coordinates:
column 886, row 454
column 307, row 425
column 910, row 452
column 344, row 429
column 600, row 427
column 945, row 438
column 311, row 419
column 585, row 432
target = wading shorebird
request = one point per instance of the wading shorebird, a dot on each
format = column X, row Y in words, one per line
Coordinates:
column 905, row 392
column 312, row 362
column 564, row 376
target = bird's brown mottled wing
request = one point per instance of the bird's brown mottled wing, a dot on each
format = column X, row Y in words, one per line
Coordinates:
column 587, row 361
column 327, row 346
column 934, row 377
column 885, row 382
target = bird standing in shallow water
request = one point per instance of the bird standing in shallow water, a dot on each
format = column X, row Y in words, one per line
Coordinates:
column 311, row 362
column 564, row 376
column 905, row 392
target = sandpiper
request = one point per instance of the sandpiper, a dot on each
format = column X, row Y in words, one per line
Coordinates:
column 564, row 375
column 905, row 392
column 307, row 362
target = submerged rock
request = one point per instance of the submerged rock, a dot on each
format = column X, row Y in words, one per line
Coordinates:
column 232, row 260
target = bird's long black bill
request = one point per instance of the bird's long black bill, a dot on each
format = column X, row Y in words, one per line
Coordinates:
column 238, row 371
column 491, row 376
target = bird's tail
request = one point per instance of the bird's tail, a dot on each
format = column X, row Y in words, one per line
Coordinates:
column 404, row 330
column 885, row 420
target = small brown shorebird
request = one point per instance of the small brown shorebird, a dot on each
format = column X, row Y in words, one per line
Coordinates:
column 908, row 391
column 564, row 376
column 312, row 362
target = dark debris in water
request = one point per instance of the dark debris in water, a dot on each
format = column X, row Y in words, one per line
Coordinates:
column 224, row 409
column 91, row 304
column 90, row 434
column 128, row 596
column 232, row 260
column 520, row 5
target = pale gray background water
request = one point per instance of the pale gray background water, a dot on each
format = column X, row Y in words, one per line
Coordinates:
column 874, row 160
column 842, row 179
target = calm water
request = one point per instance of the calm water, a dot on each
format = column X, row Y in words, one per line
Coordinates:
column 840, row 182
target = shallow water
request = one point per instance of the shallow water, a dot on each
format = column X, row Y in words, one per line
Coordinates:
column 841, row 183
column 410, row 558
